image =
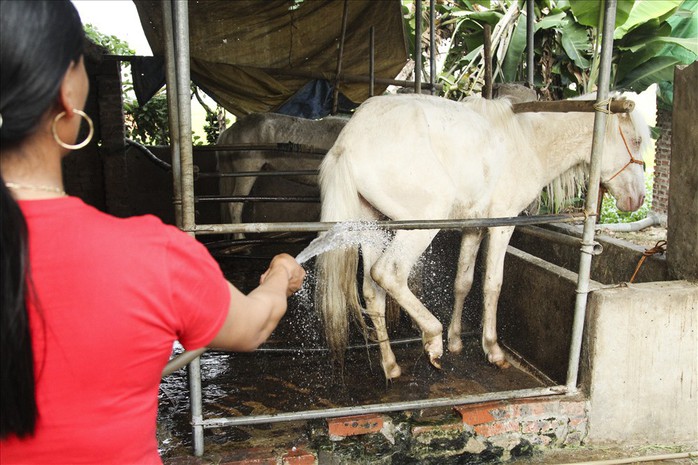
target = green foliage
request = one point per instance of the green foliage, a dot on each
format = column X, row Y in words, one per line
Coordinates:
column 148, row 124
column 651, row 38
column 610, row 214
column 115, row 45
column 215, row 121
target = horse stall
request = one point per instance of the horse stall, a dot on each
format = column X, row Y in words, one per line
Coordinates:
column 289, row 402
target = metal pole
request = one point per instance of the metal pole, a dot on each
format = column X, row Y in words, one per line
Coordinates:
column 172, row 108
column 487, row 55
column 181, row 23
column 388, row 225
column 182, row 65
column 587, row 249
column 340, row 57
column 418, row 47
column 530, row 19
column 372, row 61
column 383, row 408
column 432, row 48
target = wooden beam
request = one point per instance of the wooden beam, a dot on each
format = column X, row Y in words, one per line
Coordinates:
column 565, row 106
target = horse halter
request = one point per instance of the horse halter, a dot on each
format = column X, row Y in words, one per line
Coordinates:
column 632, row 159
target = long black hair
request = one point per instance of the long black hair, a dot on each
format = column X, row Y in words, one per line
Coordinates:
column 38, row 42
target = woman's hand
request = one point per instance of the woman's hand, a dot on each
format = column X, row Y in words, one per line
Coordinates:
column 295, row 272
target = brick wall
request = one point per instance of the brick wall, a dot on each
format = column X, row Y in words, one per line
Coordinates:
column 660, row 195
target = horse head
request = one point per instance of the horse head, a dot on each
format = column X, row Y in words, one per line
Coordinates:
column 622, row 171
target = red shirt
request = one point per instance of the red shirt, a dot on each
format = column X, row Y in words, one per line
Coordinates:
column 113, row 296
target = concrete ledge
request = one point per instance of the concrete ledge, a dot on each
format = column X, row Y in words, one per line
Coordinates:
column 643, row 382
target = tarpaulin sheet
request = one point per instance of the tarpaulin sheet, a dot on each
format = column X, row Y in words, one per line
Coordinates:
column 252, row 56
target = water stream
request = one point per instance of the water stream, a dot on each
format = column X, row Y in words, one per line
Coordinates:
column 343, row 235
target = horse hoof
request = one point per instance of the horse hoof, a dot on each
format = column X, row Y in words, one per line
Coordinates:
column 503, row 364
column 436, row 362
column 455, row 346
column 393, row 372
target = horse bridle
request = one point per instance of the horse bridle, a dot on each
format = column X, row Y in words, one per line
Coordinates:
column 632, row 159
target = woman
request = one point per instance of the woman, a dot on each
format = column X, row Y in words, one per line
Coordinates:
column 92, row 303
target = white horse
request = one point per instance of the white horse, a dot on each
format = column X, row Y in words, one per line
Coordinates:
column 419, row 157
column 271, row 128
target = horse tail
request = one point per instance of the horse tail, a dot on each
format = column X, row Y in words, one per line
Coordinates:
column 336, row 291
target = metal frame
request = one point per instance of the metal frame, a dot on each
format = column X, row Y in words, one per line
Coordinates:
column 175, row 19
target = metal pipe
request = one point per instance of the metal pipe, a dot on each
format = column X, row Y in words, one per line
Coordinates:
column 432, row 48
column 530, row 20
column 256, row 198
column 180, row 10
column 587, row 249
column 651, row 220
column 284, row 147
column 383, row 408
column 372, row 61
column 188, row 356
column 487, row 57
column 646, row 458
column 388, row 225
column 181, row 36
column 172, row 109
column 340, row 57
column 552, row 236
column 181, row 361
column 256, row 174
column 418, row 47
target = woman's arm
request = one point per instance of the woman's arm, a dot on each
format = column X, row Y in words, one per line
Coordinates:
column 252, row 317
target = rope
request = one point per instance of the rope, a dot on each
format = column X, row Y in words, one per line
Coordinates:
column 632, row 159
column 659, row 247
column 604, row 106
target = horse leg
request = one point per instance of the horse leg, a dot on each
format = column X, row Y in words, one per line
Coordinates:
column 470, row 243
column 498, row 241
column 391, row 272
column 375, row 297
column 241, row 187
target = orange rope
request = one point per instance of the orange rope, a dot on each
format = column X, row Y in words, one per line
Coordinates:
column 659, row 247
column 632, row 159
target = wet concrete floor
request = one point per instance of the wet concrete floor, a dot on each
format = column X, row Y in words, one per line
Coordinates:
column 294, row 372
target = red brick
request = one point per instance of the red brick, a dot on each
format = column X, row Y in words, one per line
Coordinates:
column 532, row 426
column 497, row 428
column 477, row 414
column 573, row 409
column 535, row 406
column 354, row 425
column 299, row 456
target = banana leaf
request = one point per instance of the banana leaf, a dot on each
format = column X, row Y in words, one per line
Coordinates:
column 588, row 12
column 515, row 52
column 575, row 42
column 652, row 71
column 644, row 11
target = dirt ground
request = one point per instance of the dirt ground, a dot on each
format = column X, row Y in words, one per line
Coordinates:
column 647, row 238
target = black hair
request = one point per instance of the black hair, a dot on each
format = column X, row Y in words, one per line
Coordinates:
column 38, row 42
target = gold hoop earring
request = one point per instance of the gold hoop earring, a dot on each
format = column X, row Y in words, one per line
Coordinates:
column 70, row 146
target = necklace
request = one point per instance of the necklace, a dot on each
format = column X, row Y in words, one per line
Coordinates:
column 34, row 187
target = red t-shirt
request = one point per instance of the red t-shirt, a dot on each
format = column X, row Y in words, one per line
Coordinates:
column 114, row 294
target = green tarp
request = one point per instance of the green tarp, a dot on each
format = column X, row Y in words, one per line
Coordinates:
column 253, row 55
